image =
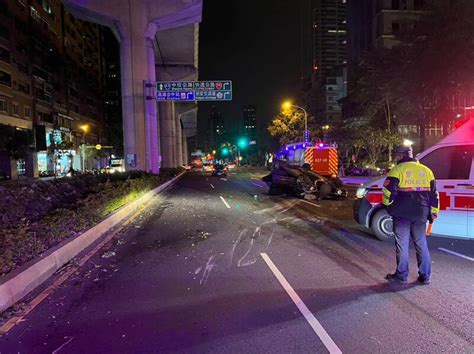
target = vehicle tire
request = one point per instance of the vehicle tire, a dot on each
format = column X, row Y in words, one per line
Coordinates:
column 382, row 226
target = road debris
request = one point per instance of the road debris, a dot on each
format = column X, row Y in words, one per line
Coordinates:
column 109, row 254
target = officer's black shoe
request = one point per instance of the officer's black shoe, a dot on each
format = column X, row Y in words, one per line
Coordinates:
column 424, row 280
column 395, row 278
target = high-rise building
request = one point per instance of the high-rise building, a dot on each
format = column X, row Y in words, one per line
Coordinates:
column 360, row 30
column 391, row 16
column 216, row 129
column 249, row 122
column 113, row 96
column 51, row 84
column 329, row 37
column 377, row 24
column 329, row 23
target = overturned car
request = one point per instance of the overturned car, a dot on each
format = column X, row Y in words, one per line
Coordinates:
column 303, row 182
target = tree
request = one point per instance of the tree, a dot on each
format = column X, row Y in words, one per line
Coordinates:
column 349, row 139
column 377, row 141
column 287, row 126
column 433, row 62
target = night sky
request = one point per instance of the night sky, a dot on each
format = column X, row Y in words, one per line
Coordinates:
column 256, row 44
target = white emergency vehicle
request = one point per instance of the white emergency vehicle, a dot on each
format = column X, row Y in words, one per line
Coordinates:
column 451, row 161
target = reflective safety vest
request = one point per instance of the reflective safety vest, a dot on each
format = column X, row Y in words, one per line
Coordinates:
column 410, row 191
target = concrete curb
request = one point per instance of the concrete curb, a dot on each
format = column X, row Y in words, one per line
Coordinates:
column 21, row 282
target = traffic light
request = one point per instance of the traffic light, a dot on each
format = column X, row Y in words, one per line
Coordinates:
column 242, row 143
column 225, row 151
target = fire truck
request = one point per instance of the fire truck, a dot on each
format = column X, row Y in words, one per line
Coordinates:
column 322, row 158
column 451, row 162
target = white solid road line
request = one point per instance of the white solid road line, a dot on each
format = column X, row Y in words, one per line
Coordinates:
column 456, row 254
column 258, row 185
column 308, row 315
column 313, row 204
column 222, row 198
column 212, row 186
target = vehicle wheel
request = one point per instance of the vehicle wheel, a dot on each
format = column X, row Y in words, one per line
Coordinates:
column 382, row 226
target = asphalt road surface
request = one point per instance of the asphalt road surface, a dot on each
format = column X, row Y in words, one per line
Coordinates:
column 218, row 266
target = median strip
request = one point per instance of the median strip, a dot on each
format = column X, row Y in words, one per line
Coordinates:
column 307, row 314
column 22, row 281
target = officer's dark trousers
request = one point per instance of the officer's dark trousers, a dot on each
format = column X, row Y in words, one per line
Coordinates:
column 416, row 230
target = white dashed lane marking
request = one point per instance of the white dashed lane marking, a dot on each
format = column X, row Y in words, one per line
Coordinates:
column 456, row 254
column 307, row 314
column 223, row 200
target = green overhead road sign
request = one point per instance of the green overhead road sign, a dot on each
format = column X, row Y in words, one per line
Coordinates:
column 194, row 90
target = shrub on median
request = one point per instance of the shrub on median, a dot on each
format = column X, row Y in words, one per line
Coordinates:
column 35, row 216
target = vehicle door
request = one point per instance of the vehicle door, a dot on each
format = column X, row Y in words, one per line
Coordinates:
column 452, row 167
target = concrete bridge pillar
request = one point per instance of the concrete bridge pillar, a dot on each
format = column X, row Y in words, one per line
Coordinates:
column 185, row 150
column 179, row 140
column 135, row 22
column 168, row 134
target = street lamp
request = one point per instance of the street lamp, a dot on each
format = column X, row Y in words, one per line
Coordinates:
column 288, row 105
column 85, row 129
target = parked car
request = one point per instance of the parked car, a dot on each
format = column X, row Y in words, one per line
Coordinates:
column 301, row 181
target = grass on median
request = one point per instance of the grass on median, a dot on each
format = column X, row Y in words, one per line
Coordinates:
column 35, row 216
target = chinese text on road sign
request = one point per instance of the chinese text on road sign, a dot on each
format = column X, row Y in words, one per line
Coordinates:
column 194, row 90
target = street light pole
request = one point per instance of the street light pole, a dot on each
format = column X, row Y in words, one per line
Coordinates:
column 305, row 133
column 83, row 157
column 85, row 130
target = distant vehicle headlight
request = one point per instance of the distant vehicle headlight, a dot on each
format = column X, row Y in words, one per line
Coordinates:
column 361, row 192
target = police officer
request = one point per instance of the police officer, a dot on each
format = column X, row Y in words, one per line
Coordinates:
column 411, row 198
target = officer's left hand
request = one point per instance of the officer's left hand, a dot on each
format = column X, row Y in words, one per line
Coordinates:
column 432, row 217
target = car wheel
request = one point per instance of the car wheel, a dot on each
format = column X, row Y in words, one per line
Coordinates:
column 382, row 226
